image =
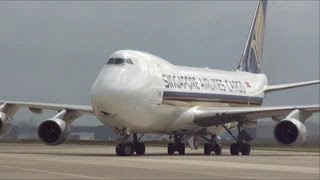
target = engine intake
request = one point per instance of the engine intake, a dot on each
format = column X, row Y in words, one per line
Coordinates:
column 290, row 132
column 54, row 131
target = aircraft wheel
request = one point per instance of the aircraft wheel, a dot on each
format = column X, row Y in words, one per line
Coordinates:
column 128, row 149
column 140, row 148
column 217, row 149
column 245, row 149
column 119, row 150
column 207, row 148
column 234, row 149
column 170, row 149
column 181, row 149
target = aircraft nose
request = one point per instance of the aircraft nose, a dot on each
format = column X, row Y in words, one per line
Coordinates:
column 107, row 91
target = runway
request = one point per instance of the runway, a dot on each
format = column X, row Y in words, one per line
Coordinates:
column 37, row 161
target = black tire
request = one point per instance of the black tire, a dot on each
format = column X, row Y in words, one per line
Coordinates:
column 217, row 149
column 245, row 149
column 207, row 149
column 181, row 149
column 119, row 150
column 171, row 149
column 140, row 148
column 128, row 149
column 234, row 149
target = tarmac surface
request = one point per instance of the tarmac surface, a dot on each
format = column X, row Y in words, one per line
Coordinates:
column 37, row 161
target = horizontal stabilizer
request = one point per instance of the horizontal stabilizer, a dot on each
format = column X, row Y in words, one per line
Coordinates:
column 290, row 85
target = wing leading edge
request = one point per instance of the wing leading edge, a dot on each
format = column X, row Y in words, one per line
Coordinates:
column 290, row 85
column 206, row 117
column 10, row 107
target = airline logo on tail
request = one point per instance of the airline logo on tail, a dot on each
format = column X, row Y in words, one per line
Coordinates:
column 252, row 55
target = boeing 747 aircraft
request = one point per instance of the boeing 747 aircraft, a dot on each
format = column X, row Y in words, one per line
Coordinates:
column 139, row 93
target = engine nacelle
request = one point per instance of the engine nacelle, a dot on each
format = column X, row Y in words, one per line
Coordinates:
column 5, row 125
column 54, row 131
column 290, row 132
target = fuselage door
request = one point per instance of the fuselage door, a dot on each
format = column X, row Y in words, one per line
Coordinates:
column 157, row 83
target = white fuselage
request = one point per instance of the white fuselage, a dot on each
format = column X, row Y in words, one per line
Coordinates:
column 147, row 94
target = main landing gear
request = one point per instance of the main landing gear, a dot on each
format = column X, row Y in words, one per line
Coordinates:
column 212, row 146
column 177, row 145
column 240, row 146
column 125, row 148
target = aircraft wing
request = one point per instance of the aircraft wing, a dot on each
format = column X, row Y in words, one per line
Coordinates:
column 206, row 116
column 10, row 107
column 289, row 85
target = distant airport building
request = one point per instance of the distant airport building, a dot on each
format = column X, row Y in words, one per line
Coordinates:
column 85, row 136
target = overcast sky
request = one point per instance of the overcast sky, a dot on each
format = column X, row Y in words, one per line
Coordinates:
column 53, row 51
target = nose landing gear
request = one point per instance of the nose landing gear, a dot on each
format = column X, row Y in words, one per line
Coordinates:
column 125, row 148
column 139, row 147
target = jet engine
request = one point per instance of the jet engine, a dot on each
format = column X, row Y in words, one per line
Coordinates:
column 54, row 131
column 290, row 132
column 5, row 125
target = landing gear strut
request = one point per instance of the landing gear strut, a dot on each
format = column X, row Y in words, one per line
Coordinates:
column 138, row 146
column 177, row 145
column 212, row 146
column 125, row 148
column 240, row 145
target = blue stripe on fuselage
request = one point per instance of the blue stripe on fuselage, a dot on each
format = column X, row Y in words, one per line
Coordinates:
column 186, row 96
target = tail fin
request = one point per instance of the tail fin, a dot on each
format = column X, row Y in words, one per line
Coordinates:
column 252, row 54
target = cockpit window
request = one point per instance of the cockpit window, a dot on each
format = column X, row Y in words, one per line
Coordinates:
column 111, row 61
column 129, row 61
column 119, row 61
